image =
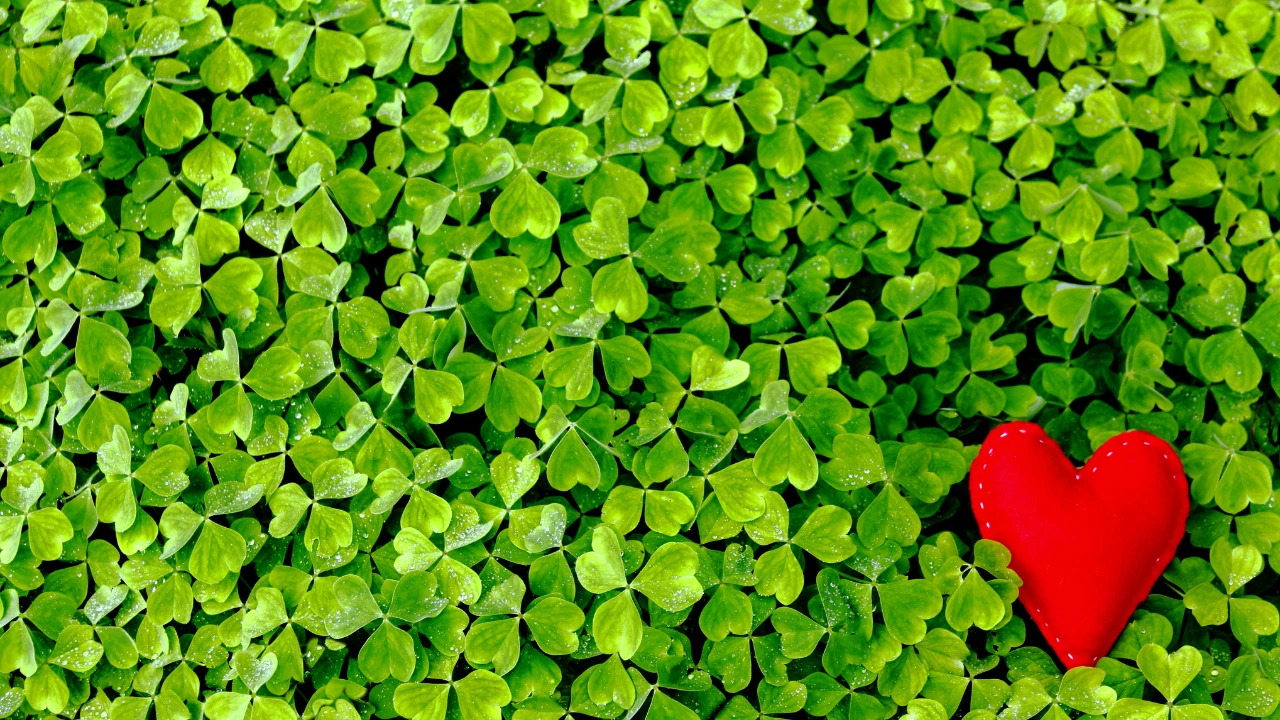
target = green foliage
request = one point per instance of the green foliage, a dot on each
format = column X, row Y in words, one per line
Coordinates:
column 524, row 360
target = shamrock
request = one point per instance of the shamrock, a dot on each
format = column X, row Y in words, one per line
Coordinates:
column 335, row 52
column 361, row 321
column 498, row 279
column 1142, row 43
column 1169, row 673
column 824, row 535
column 435, row 392
column 1035, row 146
column 171, row 118
column 665, row 511
column 616, row 288
column 979, row 395
column 253, row 672
column 728, row 610
column 643, row 102
column 667, row 579
column 722, row 126
column 425, row 130
column 219, row 551
column 162, row 475
column 181, row 290
column 389, row 650
column 47, row 528
column 56, row 160
column 328, row 529
column 782, row 148
column 735, row 48
column 522, row 98
column 572, row 366
column 786, row 454
column 809, row 362
column 552, row 621
column 486, row 28
column 745, row 302
column 975, row 601
column 922, row 338
column 318, row 221
column 858, row 461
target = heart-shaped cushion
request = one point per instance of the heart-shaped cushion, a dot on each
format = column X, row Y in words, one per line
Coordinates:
column 1087, row 543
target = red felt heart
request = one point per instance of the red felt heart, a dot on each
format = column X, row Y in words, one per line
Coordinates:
column 1088, row 543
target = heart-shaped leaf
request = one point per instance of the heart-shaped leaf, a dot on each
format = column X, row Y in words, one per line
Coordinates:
column 563, row 152
column 525, row 206
column 712, row 371
column 477, row 166
column 601, row 569
column 607, row 234
column 254, row 672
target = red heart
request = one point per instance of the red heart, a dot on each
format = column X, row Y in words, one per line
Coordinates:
column 1088, row 543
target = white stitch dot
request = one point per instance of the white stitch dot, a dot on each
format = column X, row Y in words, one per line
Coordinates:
column 1004, row 434
column 1111, row 453
column 982, row 506
column 1022, row 430
column 991, row 451
column 988, row 526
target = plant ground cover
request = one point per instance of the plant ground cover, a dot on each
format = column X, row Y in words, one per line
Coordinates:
column 527, row 359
